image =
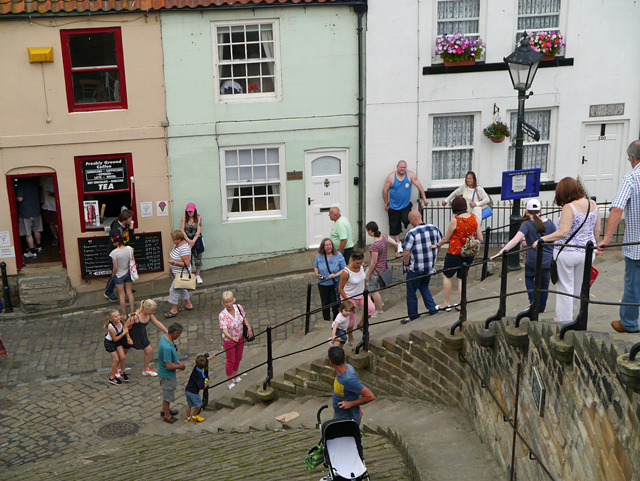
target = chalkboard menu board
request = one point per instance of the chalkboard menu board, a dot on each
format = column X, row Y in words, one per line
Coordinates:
column 95, row 260
column 105, row 175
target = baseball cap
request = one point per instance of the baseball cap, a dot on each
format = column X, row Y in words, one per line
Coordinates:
column 191, row 206
column 533, row 204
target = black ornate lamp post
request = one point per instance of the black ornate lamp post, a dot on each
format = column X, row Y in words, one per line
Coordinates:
column 523, row 64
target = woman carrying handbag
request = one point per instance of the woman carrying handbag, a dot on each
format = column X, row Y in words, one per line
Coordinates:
column 180, row 262
column 476, row 197
column 579, row 224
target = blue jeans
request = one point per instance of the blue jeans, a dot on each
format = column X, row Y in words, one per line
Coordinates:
column 111, row 285
column 414, row 284
column 529, row 277
column 629, row 314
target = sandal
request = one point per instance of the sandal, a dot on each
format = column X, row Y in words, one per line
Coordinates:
column 185, row 308
column 170, row 314
column 170, row 421
column 444, row 308
column 458, row 308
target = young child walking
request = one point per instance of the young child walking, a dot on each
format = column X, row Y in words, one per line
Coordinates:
column 197, row 382
column 341, row 323
column 116, row 337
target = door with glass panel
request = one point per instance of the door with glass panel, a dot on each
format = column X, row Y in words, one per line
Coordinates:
column 326, row 185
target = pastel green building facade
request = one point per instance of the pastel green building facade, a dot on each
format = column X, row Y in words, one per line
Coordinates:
column 312, row 113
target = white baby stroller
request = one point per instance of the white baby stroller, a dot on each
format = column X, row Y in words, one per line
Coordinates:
column 342, row 445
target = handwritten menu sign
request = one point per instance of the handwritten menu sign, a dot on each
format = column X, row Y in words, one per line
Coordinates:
column 95, row 260
column 105, row 175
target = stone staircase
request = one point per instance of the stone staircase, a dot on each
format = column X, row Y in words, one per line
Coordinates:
column 44, row 288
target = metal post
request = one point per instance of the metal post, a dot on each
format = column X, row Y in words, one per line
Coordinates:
column 580, row 323
column 514, row 262
column 269, row 361
column 8, row 307
column 485, row 257
column 502, row 309
column 307, row 317
column 463, row 300
column 515, row 423
column 364, row 344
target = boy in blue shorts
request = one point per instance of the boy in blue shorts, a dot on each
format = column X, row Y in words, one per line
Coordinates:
column 197, row 382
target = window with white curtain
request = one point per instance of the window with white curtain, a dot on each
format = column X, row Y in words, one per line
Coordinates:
column 534, row 154
column 246, row 58
column 536, row 15
column 253, row 181
column 452, row 147
column 458, row 16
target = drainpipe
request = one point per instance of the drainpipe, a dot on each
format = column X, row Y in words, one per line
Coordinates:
column 360, row 10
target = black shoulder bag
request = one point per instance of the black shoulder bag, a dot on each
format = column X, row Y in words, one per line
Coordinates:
column 554, row 264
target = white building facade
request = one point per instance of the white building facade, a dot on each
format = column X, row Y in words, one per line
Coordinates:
column 586, row 103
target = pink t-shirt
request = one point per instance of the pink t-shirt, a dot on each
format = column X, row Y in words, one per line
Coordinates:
column 381, row 248
column 232, row 323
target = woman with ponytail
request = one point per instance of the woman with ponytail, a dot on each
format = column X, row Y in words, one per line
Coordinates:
column 378, row 263
column 533, row 227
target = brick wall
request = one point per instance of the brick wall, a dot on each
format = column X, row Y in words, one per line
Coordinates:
column 590, row 425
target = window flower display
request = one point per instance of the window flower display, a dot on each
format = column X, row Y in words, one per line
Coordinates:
column 546, row 42
column 457, row 47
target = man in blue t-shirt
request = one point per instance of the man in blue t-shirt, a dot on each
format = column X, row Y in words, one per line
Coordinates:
column 167, row 366
column 348, row 392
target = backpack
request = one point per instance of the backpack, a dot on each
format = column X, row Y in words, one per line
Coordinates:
column 472, row 246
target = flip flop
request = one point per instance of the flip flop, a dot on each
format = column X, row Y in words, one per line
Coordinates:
column 170, row 421
column 185, row 309
column 458, row 308
column 170, row 314
column 444, row 308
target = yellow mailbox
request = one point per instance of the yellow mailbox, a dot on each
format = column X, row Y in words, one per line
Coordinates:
column 40, row 54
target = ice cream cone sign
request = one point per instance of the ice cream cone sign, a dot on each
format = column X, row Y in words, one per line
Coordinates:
column 162, row 208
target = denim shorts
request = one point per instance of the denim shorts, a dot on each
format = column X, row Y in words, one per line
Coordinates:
column 193, row 400
column 122, row 280
column 342, row 334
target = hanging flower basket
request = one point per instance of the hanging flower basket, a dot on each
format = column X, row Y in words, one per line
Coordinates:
column 496, row 131
column 457, row 48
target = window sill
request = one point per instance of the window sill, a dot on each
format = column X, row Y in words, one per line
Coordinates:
column 491, row 67
column 254, row 217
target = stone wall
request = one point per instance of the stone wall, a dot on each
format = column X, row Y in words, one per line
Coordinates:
column 590, row 423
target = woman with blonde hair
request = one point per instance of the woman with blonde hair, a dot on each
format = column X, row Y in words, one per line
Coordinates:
column 231, row 320
column 137, row 326
column 179, row 260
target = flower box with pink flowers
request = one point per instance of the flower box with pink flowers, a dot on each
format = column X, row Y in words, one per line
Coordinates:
column 546, row 42
column 456, row 49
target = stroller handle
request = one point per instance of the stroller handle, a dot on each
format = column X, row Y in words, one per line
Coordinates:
column 322, row 408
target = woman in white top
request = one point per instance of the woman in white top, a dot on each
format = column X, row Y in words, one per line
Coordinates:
column 570, row 261
column 179, row 260
column 475, row 195
column 121, row 257
column 351, row 287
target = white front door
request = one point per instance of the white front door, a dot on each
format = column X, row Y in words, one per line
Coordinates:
column 601, row 157
column 326, row 174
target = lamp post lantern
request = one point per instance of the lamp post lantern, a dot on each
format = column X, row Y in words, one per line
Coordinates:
column 523, row 64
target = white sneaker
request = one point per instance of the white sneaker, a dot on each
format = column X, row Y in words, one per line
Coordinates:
column 399, row 248
column 198, row 279
column 149, row 372
column 237, row 380
column 231, row 386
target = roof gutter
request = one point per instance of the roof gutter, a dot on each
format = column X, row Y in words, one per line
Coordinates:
column 28, row 15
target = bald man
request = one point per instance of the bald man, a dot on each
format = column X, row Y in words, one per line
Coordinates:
column 420, row 260
column 341, row 235
column 396, row 194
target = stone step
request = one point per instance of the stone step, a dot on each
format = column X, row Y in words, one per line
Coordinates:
column 266, row 420
column 226, row 424
column 307, row 415
column 38, row 301
column 45, row 288
column 243, row 423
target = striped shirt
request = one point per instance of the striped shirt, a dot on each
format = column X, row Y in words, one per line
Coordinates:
column 628, row 199
column 419, row 241
column 176, row 254
column 380, row 247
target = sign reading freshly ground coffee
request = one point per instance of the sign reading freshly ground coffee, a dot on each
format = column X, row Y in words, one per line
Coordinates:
column 95, row 260
column 105, row 175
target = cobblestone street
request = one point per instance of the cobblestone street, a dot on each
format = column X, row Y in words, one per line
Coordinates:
column 54, row 397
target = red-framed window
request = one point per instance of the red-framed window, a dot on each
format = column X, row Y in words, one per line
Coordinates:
column 105, row 185
column 94, row 69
